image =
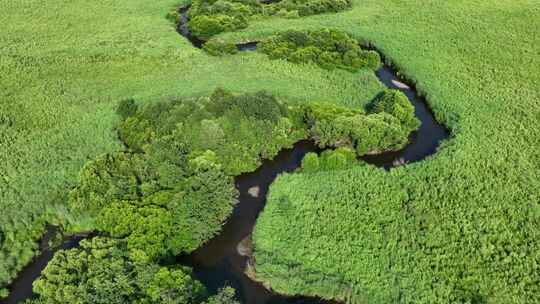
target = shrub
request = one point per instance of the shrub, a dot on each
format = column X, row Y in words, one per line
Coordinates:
column 204, row 27
column 224, row 296
column 376, row 133
column 373, row 60
column 110, row 177
column 292, row 14
column 217, row 47
column 126, row 108
column 338, row 159
column 395, row 103
column 173, row 16
column 312, row 7
column 260, row 105
column 322, row 120
column 328, row 48
column 310, row 162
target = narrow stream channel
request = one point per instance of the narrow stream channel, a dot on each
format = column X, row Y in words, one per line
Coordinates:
column 224, row 259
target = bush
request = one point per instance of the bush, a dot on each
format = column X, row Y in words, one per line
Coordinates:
column 328, row 48
column 310, row 162
column 217, row 47
column 224, row 296
column 126, row 108
column 323, row 126
column 292, row 14
column 395, row 103
column 376, row 132
column 173, row 16
column 204, row 27
column 373, row 60
column 260, row 105
column 338, row 159
column 312, row 7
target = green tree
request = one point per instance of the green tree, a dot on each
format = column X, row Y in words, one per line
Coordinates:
column 102, row 271
column 310, row 163
column 395, row 103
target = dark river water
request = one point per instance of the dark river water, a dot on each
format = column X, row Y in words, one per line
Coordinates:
column 225, row 258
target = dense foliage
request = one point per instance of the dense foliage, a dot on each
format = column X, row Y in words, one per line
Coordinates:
column 338, row 159
column 102, row 271
column 298, row 8
column 478, row 195
column 173, row 189
column 396, row 104
column 387, row 126
column 225, row 295
column 239, row 130
column 217, row 47
column 162, row 204
column 211, row 17
column 328, row 48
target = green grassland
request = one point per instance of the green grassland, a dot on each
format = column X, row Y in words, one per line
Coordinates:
column 459, row 227
column 65, row 65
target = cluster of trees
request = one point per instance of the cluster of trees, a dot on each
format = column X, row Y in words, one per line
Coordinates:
column 326, row 47
column 300, row 8
column 173, row 188
column 386, row 126
column 239, row 129
column 211, row 17
column 338, row 159
column 103, row 270
column 162, row 202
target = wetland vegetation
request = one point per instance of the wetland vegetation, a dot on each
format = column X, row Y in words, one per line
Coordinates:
column 159, row 176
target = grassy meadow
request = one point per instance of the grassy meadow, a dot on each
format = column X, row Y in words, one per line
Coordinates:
column 459, row 227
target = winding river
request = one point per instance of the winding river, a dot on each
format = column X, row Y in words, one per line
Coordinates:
column 225, row 259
